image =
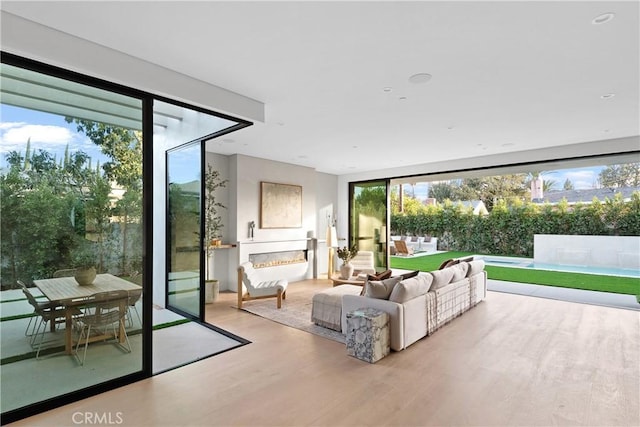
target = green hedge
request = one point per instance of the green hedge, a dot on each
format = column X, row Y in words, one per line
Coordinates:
column 509, row 230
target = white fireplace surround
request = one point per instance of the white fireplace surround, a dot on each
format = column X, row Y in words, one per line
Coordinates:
column 291, row 272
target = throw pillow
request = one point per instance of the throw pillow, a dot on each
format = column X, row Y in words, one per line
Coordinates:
column 414, row 238
column 459, row 271
column 410, row 274
column 376, row 277
column 380, row 289
column 441, row 278
column 475, row 267
column 411, row 288
column 448, row 263
column 427, row 239
column 380, row 276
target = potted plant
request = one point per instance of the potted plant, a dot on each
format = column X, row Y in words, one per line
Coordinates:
column 212, row 226
column 346, row 254
column 84, row 262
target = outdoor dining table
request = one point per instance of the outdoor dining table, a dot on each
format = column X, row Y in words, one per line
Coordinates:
column 67, row 292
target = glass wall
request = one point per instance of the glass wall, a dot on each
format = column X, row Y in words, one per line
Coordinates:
column 71, row 198
column 183, row 228
column 368, row 219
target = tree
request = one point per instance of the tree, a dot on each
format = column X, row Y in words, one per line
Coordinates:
column 442, row 191
column 568, row 185
column 623, row 175
column 124, row 149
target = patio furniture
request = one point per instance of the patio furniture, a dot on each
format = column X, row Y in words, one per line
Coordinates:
column 251, row 287
column 401, row 248
column 134, row 297
column 67, row 291
column 67, row 272
column 47, row 312
column 102, row 311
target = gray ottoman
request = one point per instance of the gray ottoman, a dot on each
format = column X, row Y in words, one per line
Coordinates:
column 326, row 309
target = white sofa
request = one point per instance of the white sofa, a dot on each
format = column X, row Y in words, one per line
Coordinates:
column 419, row 243
column 420, row 305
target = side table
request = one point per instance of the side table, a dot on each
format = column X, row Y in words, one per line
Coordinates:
column 368, row 334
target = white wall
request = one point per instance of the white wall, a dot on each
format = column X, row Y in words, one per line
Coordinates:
column 592, row 251
column 246, row 173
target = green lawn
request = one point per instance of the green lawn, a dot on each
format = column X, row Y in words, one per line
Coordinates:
column 592, row 282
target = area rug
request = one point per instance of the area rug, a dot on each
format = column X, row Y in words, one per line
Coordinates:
column 295, row 312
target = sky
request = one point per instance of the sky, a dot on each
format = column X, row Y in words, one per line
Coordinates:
column 47, row 132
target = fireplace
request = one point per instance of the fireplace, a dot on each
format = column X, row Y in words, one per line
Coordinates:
column 274, row 259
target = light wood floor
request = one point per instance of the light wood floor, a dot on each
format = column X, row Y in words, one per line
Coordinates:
column 512, row 360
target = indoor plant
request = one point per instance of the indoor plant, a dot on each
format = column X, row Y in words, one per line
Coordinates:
column 212, row 226
column 346, row 254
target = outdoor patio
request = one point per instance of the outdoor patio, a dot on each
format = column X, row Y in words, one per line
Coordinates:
column 54, row 373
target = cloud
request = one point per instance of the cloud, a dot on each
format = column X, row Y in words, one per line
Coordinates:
column 14, row 136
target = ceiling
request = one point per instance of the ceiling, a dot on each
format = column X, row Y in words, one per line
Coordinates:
column 334, row 76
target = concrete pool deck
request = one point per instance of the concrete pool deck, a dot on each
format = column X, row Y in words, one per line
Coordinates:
column 606, row 299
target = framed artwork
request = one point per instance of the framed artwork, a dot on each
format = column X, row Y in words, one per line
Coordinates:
column 280, row 205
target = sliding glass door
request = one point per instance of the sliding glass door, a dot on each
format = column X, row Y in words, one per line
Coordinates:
column 368, row 222
column 183, row 229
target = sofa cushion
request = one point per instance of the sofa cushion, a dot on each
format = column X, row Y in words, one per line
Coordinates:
column 475, row 267
column 410, row 288
column 459, row 271
column 441, row 278
column 381, row 289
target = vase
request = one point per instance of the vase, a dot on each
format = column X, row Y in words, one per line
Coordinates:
column 85, row 276
column 346, row 270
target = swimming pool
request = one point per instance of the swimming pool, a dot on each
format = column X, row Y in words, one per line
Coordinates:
column 529, row 263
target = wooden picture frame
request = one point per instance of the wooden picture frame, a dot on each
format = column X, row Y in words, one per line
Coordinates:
column 280, row 205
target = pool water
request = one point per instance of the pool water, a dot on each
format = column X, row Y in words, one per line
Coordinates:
column 529, row 263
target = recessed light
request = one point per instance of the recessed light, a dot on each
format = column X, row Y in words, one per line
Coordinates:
column 601, row 19
column 607, row 95
column 387, row 89
column 508, row 144
column 420, row 78
column 228, row 141
column 450, row 127
column 402, row 98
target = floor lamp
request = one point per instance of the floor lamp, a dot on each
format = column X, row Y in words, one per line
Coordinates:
column 332, row 242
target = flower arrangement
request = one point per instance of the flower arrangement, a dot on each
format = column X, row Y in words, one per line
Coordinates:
column 347, row 254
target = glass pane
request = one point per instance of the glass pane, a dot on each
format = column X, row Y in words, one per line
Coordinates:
column 71, row 188
column 184, row 185
column 368, row 222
